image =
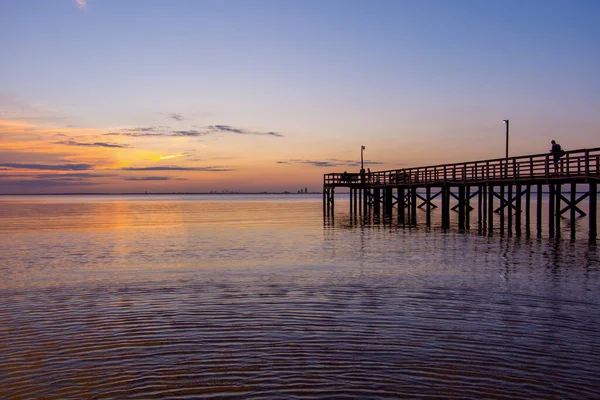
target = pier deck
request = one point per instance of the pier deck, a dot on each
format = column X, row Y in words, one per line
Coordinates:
column 506, row 179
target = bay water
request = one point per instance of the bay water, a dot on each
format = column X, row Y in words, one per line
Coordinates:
column 262, row 297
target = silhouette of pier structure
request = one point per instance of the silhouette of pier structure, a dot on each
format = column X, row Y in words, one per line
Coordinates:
column 503, row 187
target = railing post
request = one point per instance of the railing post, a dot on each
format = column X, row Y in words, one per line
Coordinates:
column 531, row 167
column 587, row 162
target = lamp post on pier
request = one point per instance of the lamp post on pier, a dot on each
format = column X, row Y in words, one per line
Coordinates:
column 507, row 122
column 362, row 169
column 362, row 148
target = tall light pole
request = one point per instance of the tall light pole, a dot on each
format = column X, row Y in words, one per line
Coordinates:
column 507, row 122
column 362, row 148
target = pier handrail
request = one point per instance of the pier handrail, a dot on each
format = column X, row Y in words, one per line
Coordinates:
column 574, row 163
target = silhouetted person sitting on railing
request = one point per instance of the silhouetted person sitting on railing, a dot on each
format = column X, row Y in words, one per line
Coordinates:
column 557, row 153
column 368, row 174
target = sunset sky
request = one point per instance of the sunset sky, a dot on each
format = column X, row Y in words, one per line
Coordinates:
column 268, row 95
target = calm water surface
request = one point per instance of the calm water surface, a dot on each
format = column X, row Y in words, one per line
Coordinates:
column 259, row 297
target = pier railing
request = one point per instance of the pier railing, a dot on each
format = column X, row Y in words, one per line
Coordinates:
column 574, row 163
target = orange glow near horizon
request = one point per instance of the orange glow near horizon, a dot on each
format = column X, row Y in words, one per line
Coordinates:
column 95, row 160
column 47, row 159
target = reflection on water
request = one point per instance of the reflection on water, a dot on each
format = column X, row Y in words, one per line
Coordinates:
column 258, row 298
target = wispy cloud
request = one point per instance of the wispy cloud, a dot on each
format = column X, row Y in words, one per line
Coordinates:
column 328, row 163
column 190, row 133
column 203, row 131
column 141, row 132
column 148, row 178
column 172, row 168
column 146, row 129
column 81, row 4
column 135, row 134
column 73, row 175
column 71, row 142
column 49, row 167
column 176, row 117
column 240, row 131
column 173, row 156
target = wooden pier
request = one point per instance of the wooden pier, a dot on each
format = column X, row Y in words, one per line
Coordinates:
column 502, row 187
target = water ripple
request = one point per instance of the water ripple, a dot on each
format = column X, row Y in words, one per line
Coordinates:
column 187, row 300
column 183, row 342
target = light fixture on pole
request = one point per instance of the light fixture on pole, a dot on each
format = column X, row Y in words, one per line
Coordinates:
column 507, row 122
column 362, row 148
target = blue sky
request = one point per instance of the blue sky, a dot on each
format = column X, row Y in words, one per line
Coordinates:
column 416, row 82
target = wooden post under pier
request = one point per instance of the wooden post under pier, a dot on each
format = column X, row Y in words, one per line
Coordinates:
column 388, row 201
column 401, row 205
column 593, row 211
column 538, row 207
column 484, row 197
column 428, row 205
column 518, row 210
column 468, row 207
column 509, row 208
column 376, row 201
column 461, row 207
column 501, row 209
column 573, row 208
column 446, row 206
column 551, row 200
column 557, row 193
column 413, row 206
column 490, row 210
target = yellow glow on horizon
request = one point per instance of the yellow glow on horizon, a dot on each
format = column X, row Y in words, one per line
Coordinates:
column 155, row 163
column 172, row 156
column 52, row 145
